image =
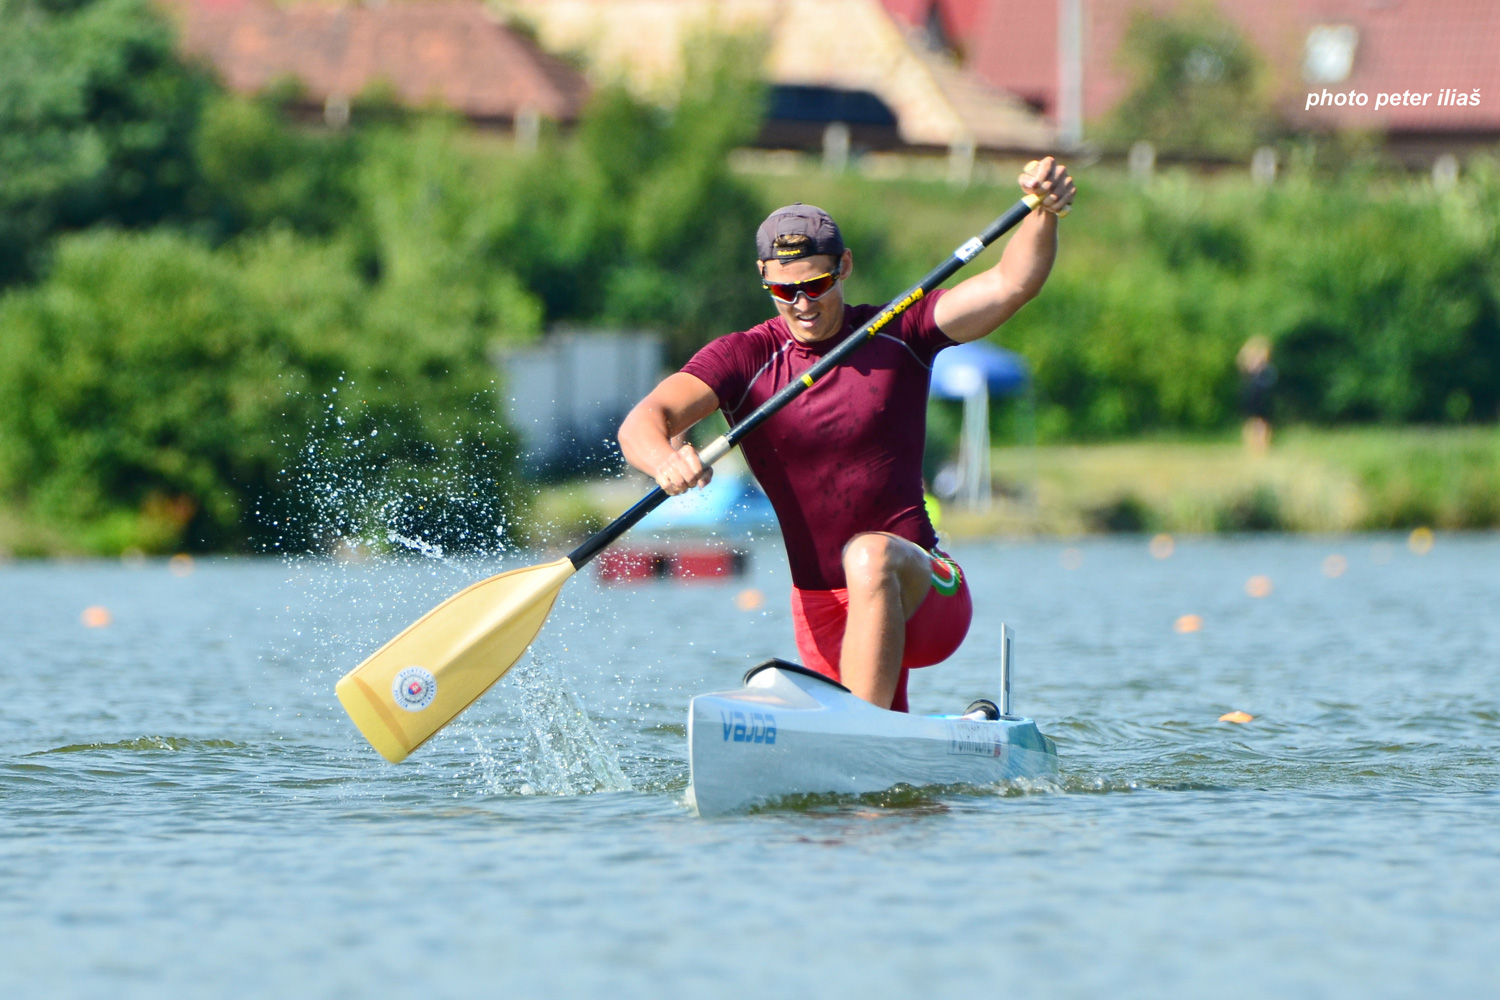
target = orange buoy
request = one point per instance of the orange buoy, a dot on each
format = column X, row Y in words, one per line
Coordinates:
column 1258, row 586
column 749, row 599
column 1236, row 716
column 1420, row 541
column 96, row 617
column 1188, row 623
column 1162, row 546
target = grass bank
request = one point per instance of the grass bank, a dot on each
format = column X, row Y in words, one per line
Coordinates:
column 1310, row 480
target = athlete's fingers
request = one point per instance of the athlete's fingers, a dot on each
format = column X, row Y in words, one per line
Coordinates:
column 682, row 470
column 1050, row 182
column 1036, row 178
column 698, row 473
column 1061, row 192
column 671, row 476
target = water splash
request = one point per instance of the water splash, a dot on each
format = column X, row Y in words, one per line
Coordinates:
column 534, row 737
column 564, row 753
column 371, row 509
column 426, row 548
column 368, row 471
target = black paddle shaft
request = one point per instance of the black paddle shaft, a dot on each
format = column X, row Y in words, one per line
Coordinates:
column 580, row 556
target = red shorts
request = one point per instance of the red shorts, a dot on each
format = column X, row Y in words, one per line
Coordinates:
column 933, row 633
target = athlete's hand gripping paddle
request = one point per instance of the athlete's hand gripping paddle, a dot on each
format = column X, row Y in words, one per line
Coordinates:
column 422, row 679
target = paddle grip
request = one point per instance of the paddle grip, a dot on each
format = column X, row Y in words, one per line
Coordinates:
column 716, row 449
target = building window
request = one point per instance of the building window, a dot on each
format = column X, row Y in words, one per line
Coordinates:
column 1329, row 57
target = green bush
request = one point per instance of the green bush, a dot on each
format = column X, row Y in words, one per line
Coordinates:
column 181, row 397
column 1388, row 310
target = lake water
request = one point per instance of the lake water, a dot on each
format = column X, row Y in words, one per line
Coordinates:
column 185, row 810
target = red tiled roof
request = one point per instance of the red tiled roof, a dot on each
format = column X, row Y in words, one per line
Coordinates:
column 1417, row 45
column 446, row 52
column 960, row 18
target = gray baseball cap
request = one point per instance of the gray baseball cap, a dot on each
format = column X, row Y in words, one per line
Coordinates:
column 798, row 220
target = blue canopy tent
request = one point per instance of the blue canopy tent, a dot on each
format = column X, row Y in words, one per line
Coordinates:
column 974, row 372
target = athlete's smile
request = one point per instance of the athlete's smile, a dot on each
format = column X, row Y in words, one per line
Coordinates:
column 809, row 294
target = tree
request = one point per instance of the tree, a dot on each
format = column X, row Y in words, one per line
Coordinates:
column 97, row 119
column 1198, row 86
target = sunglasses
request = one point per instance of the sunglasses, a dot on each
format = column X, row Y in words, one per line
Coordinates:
column 813, row 288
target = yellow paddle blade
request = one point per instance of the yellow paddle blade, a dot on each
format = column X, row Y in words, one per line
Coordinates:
column 418, row 682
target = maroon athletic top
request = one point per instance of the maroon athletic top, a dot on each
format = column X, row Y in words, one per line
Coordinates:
column 846, row 455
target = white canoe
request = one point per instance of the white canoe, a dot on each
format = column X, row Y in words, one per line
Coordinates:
column 790, row 731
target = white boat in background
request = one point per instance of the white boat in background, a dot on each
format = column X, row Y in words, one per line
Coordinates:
column 791, row 731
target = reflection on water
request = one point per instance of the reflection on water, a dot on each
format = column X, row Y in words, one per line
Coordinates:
column 184, row 807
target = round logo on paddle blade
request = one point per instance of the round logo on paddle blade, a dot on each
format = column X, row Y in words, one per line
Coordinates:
column 414, row 688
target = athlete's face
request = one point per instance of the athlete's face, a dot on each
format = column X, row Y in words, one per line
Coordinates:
column 811, row 320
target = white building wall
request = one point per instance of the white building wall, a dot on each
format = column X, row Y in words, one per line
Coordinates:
column 566, row 396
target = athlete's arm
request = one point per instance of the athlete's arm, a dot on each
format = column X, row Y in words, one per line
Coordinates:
column 646, row 436
column 975, row 308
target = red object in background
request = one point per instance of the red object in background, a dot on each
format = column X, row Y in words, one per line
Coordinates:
column 630, row 566
column 706, row 564
column 688, row 564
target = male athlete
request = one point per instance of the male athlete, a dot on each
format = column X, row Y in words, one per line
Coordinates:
column 842, row 463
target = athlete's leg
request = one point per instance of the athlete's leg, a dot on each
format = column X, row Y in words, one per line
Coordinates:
column 887, row 579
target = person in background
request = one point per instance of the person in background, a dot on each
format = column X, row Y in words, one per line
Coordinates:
column 872, row 595
column 1257, row 376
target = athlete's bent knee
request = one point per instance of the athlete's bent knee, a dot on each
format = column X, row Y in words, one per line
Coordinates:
column 870, row 561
